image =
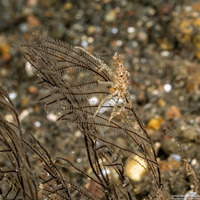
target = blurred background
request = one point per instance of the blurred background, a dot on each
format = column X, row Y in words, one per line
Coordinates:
column 159, row 42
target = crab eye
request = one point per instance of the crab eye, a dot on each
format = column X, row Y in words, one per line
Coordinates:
column 116, row 54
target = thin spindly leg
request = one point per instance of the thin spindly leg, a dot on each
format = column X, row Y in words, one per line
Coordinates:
column 109, row 83
column 114, row 109
column 102, row 67
column 124, row 105
column 129, row 100
column 104, row 100
column 105, row 67
column 121, row 109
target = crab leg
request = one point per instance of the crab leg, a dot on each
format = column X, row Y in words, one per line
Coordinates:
column 104, row 100
column 114, row 109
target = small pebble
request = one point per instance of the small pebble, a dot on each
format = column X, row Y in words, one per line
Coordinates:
column 167, row 87
column 131, row 30
column 155, row 92
column 114, row 30
column 152, row 11
column 173, row 112
column 68, row 6
column 165, row 53
column 23, row 27
column 25, row 101
column 119, row 43
column 78, row 160
column 135, row 44
column 32, row 90
column 84, row 43
column 90, row 40
column 190, row 134
column 13, row 95
column 142, row 36
column 32, row 2
column 29, row 69
column 194, row 162
column 78, row 133
column 77, row 27
column 135, row 169
column 175, row 157
column 25, row 113
column 110, row 16
column 33, row 21
column 37, row 124
column 3, row 71
column 143, row 60
column 91, row 29
column 52, row 117
column 161, row 102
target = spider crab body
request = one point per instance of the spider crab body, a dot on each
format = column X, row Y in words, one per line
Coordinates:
column 120, row 85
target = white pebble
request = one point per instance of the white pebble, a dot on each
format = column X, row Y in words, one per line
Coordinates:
column 29, row 69
column 135, row 44
column 119, row 43
column 165, row 53
column 136, row 168
column 175, row 157
column 90, row 39
column 131, row 30
column 188, row 8
column 13, row 95
column 167, row 87
column 78, row 160
column 78, row 133
column 84, row 43
column 194, row 162
column 52, row 117
column 114, row 30
column 25, row 113
column 37, row 124
column 156, row 92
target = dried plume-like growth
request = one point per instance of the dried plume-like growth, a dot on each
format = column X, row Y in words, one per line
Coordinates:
column 72, row 78
column 16, row 177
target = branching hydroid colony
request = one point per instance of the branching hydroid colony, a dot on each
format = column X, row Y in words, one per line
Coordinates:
column 72, row 77
column 16, row 178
